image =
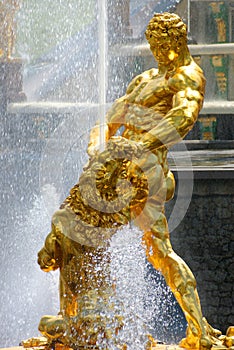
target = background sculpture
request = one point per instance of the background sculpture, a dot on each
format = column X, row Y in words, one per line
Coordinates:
column 128, row 181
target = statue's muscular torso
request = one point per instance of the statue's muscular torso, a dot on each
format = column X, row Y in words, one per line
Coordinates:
column 158, row 105
column 148, row 91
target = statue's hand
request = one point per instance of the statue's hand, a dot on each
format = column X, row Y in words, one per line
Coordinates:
column 46, row 262
column 94, row 145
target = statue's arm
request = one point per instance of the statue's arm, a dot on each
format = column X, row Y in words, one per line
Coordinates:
column 115, row 116
column 113, row 120
column 187, row 102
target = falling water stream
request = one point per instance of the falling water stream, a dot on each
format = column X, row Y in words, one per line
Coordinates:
column 103, row 66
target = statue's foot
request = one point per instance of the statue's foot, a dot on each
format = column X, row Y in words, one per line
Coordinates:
column 213, row 332
column 210, row 338
column 217, row 339
column 203, row 343
column 187, row 344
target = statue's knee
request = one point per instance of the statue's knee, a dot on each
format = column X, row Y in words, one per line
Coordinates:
column 159, row 228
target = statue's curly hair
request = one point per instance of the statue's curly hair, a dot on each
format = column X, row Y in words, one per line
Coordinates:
column 166, row 24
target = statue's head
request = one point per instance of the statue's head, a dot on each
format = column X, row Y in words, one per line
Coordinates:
column 167, row 35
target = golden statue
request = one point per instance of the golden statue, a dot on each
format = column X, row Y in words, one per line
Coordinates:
column 128, row 181
column 8, row 9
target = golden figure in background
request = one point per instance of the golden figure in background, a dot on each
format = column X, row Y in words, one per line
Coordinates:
column 128, row 181
column 8, row 9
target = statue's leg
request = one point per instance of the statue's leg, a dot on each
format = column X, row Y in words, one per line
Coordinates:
column 180, row 279
column 68, row 300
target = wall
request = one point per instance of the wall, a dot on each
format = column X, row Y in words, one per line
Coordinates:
column 204, row 239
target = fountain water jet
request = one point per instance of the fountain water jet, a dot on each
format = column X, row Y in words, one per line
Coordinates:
column 103, row 67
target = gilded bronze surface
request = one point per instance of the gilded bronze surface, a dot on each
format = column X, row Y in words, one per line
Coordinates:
column 128, row 181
